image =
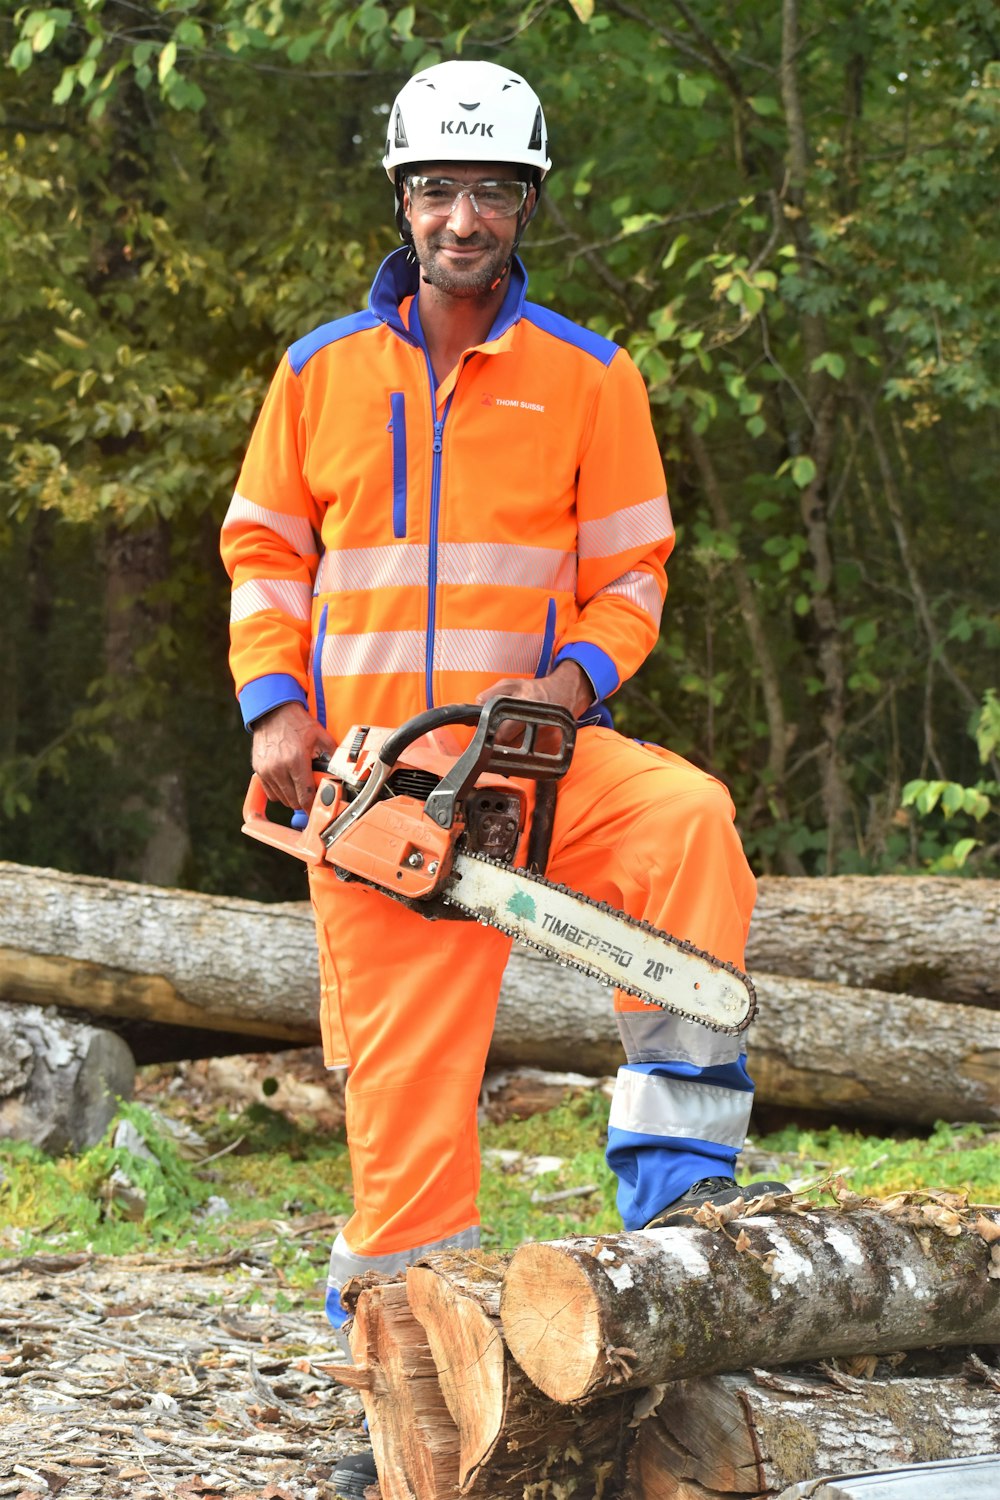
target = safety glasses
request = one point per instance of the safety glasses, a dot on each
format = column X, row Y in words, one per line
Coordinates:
column 440, row 196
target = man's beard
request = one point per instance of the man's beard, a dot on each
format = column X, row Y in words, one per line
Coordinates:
column 456, row 282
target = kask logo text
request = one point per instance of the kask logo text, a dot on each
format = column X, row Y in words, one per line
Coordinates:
column 462, row 127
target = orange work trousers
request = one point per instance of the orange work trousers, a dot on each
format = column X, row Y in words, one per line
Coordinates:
column 408, row 1005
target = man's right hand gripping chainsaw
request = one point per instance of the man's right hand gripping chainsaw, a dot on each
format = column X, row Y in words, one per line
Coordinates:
column 409, row 812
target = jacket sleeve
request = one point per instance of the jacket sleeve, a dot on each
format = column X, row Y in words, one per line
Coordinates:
column 624, row 534
column 270, row 547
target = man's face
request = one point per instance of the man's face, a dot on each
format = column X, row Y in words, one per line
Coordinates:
column 463, row 254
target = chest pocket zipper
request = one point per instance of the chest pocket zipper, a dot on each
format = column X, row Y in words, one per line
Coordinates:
column 397, row 427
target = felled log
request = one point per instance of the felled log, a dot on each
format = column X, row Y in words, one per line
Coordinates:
column 814, row 1045
column 918, row 935
column 829, row 1047
column 59, row 1078
column 753, row 1434
column 624, row 1311
column 248, row 968
column 145, row 952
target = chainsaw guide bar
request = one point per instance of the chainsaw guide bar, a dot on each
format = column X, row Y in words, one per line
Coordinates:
column 595, row 939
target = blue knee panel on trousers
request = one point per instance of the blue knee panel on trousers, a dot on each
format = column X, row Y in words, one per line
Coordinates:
column 654, row 1170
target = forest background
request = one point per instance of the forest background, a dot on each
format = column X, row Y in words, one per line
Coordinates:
column 786, row 211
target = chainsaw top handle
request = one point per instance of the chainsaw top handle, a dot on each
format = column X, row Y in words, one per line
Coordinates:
column 528, row 758
column 531, row 757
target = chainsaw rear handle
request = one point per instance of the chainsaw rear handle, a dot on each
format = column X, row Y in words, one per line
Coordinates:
column 301, row 839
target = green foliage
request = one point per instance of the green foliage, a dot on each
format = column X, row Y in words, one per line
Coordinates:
column 275, row 1170
column 185, row 189
column 953, row 799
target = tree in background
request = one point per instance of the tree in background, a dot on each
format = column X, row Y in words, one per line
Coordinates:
column 786, row 212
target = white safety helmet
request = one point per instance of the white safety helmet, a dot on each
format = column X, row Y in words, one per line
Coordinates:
column 467, row 111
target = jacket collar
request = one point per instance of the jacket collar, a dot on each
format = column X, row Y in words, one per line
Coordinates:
column 398, row 277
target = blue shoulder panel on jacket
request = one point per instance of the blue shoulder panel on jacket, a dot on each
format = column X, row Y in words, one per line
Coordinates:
column 571, row 333
column 303, row 349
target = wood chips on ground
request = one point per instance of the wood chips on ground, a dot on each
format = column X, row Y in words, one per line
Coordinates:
column 142, row 1378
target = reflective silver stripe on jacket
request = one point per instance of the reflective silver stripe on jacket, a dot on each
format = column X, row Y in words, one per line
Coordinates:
column 258, row 594
column 640, row 525
column 344, row 1263
column 640, row 589
column 398, row 566
column 509, row 566
column 500, row 651
column 295, row 530
column 652, row 1105
column 658, row 1036
column 405, row 565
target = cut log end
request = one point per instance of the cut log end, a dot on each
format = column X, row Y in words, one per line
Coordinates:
column 551, row 1322
column 469, row 1356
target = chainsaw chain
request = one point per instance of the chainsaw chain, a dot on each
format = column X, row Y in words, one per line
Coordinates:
column 682, row 944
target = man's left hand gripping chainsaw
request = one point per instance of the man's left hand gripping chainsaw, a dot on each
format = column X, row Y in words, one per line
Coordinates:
column 437, row 828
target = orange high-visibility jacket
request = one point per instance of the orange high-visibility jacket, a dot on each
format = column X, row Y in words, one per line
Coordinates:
column 394, row 545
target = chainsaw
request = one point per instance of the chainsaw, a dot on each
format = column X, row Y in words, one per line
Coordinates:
column 412, row 813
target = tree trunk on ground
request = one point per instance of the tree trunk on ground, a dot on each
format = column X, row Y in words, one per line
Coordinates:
column 244, row 967
column 755, row 1434
column 878, row 1056
column 59, row 1079
column 451, row 1414
column 919, row 935
column 813, row 1045
column 107, row 946
column 630, row 1310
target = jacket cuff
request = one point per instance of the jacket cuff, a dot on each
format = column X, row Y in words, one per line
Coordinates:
column 264, row 693
column 597, row 665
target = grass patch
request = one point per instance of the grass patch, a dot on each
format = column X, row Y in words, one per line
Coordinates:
column 272, row 1176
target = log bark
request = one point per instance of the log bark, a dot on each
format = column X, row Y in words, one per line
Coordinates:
column 917, row 935
column 59, row 1078
column 510, row 1435
column 753, row 1434
column 149, row 953
column 248, row 968
column 813, row 1045
column 630, row 1310
column 873, row 1055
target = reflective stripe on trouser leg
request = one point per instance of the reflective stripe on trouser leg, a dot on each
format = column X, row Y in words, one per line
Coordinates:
column 344, row 1264
column 672, row 1124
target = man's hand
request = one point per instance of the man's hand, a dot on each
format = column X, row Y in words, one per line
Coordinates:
column 568, row 685
column 285, row 742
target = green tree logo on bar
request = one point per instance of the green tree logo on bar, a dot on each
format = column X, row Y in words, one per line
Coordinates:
column 522, row 905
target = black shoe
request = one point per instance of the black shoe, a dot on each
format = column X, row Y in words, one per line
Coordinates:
column 717, row 1190
column 353, row 1475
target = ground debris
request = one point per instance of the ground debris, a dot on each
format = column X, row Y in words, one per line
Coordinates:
column 154, row 1380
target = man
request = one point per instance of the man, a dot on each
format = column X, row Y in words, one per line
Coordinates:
column 452, row 495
